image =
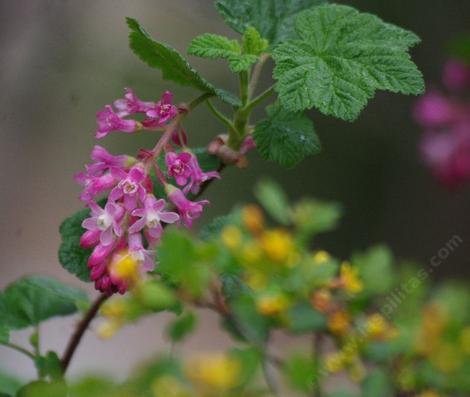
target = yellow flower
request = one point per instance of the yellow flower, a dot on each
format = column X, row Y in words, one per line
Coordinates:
column 378, row 327
column 255, row 280
column 272, row 304
column 357, row 372
column 277, row 245
column 232, row 237
column 253, row 218
column 108, row 329
column 446, row 357
column 321, row 257
column 334, row 362
column 350, row 278
column 115, row 308
column 169, row 386
column 338, row 322
column 251, row 252
column 125, row 266
column 465, row 340
column 220, row 372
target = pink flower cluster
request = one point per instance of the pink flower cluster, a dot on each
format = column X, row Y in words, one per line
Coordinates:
column 445, row 118
column 156, row 114
column 129, row 224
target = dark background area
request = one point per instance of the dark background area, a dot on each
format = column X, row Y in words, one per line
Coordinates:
column 62, row 60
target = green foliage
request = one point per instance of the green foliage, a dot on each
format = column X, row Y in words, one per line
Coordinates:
column 43, row 389
column 182, row 262
column 247, row 322
column 219, row 47
column 92, row 386
column 49, row 366
column 301, row 371
column 253, row 43
column 375, row 269
column 286, row 137
column 315, row 216
column 9, row 385
column 341, row 59
column 304, row 318
column 274, row 19
column 377, row 383
column 71, row 256
column 31, row 300
column 182, row 327
column 172, row 65
column 4, row 334
column 274, row 200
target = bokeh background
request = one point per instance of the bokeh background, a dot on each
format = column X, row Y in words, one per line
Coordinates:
column 62, row 60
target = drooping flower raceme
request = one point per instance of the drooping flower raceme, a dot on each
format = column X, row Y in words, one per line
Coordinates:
column 445, row 119
column 127, row 219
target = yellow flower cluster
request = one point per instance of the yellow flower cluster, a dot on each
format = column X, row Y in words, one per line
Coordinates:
column 217, row 372
column 350, row 279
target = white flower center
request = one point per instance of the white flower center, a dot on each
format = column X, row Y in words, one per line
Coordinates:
column 104, row 221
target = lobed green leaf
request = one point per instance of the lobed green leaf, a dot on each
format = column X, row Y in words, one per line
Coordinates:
column 171, row 63
column 33, row 299
column 274, row 19
column 341, row 59
column 286, row 137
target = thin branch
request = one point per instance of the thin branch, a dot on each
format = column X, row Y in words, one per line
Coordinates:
column 80, row 330
column 225, row 120
column 260, row 98
column 19, row 349
column 257, row 74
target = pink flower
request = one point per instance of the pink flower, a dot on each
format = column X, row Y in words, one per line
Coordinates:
column 145, row 257
column 131, row 104
column 161, row 113
column 151, row 217
column 433, row 110
column 109, row 121
column 448, row 155
column 101, row 156
column 187, row 209
column 130, row 186
column 94, row 184
column 184, row 166
column 179, row 166
column 456, row 75
column 105, row 220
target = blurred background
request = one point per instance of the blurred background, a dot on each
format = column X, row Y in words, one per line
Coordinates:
column 62, row 60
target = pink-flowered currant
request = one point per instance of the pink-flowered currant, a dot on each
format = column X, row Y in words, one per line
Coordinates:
column 123, row 231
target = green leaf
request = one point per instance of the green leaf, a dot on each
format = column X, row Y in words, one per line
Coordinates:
column 214, row 46
column 274, row 19
column 92, row 386
column 49, row 366
column 342, row 58
column 171, row 63
column 41, row 388
column 4, row 334
column 31, row 300
column 248, row 323
column 179, row 262
column 313, row 216
column 71, row 256
column 9, row 385
column 377, row 383
column 303, row 318
column 274, row 200
column 375, row 269
column 180, row 328
column 301, row 371
column 207, row 161
column 253, row 43
column 286, row 137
